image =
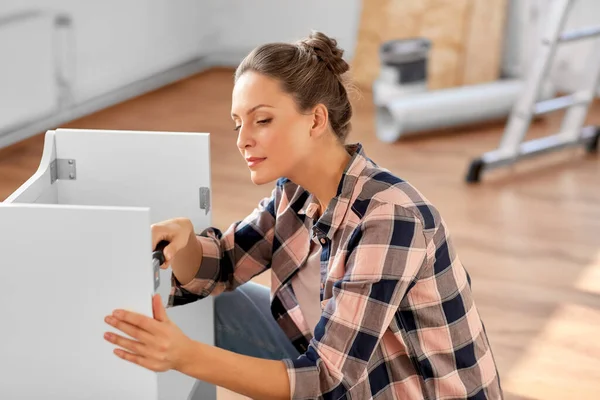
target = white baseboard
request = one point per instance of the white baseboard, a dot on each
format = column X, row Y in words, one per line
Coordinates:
column 218, row 59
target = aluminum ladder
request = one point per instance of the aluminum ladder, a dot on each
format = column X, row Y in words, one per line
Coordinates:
column 572, row 132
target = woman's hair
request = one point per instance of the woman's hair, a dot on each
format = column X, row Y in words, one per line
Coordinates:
column 312, row 70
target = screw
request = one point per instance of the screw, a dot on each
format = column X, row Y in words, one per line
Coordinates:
column 72, row 175
column 71, row 162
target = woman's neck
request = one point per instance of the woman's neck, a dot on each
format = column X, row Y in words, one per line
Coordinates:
column 322, row 172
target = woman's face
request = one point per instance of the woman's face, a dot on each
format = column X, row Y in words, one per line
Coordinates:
column 273, row 136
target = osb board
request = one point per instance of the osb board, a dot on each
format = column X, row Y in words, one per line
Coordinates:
column 372, row 31
column 466, row 38
column 484, row 42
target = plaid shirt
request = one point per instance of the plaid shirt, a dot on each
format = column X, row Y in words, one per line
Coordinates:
column 398, row 319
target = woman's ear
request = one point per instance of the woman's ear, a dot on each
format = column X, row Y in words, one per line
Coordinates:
column 320, row 120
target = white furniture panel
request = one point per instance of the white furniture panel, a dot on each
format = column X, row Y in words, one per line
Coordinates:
column 159, row 174
column 39, row 188
column 63, row 270
column 161, row 170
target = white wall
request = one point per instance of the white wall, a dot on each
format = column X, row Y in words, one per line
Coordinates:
column 114, row 43
column 119, row 42
column 245, row 24
column 526, row 24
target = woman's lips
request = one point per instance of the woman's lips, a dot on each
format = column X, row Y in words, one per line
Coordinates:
column 254, row 161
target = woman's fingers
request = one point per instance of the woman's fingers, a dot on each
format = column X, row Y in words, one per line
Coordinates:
column 176, row 231
column 161, row 232
column 145, row 362
column 132, row 346
column 147, row 351
column 154, row 343
column 137, row 326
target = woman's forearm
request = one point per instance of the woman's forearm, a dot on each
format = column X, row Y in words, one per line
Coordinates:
column 187, row 261
column 252, row 377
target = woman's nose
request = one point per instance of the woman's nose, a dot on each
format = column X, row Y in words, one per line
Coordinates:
column 244, row 139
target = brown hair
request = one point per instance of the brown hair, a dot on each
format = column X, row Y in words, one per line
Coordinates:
column 312, row 70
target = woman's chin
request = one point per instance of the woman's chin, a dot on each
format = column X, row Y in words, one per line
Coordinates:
column 260, row 178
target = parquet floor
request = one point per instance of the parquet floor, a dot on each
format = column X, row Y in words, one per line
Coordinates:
column 528, row 235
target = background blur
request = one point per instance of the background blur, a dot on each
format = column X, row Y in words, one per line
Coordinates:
column 438, row 80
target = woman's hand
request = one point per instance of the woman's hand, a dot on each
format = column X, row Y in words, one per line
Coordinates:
column 184, row 252
column 158, row 344
column 179, row 232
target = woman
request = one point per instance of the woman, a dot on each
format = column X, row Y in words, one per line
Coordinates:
column 369, row 298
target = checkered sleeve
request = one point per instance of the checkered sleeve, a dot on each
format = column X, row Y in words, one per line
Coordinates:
column 383, row 254
column 233, row 257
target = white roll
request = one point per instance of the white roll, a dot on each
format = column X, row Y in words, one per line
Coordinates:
column 445, row 108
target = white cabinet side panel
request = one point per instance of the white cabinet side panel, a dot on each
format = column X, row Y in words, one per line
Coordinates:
column 39, row 188
column 64, row 269
column 160, row 170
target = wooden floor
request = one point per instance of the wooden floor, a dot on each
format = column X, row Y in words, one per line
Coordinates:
column 529, row 236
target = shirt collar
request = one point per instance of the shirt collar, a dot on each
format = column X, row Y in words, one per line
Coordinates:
column 334, row 215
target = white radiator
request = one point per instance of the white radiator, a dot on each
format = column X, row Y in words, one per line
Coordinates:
column 29, row 64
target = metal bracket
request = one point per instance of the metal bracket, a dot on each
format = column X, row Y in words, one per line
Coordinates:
column 63, row 169
column 205, row 199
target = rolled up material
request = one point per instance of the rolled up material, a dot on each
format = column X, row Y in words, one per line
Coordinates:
column 431, row 110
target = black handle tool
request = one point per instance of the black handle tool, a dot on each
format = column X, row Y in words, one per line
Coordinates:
column 158, row 259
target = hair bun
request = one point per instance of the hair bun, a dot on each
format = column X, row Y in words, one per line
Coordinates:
column 326, row 49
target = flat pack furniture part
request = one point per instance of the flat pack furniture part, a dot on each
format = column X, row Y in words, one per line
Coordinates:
column 75, row 240
column 572, row 131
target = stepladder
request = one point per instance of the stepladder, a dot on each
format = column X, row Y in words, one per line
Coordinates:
column 572, row 132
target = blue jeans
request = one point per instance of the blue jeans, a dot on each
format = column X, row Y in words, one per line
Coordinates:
column 244, row 324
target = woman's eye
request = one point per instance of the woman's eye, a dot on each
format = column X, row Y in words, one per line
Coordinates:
column 265, row 121
column 237, row 128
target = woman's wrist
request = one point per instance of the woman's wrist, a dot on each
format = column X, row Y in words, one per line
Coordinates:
column 190, row 361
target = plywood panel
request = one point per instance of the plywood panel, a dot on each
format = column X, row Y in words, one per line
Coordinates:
column 365, row 63
column 456, row 58
column 484, row 41
column 444, row 22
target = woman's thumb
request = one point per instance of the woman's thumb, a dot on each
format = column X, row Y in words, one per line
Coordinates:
column 162, row 252
column 159, row 311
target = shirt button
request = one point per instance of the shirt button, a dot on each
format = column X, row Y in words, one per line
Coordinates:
column 323, row 240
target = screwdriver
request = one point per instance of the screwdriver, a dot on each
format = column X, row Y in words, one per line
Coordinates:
column 158, row 259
